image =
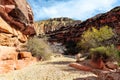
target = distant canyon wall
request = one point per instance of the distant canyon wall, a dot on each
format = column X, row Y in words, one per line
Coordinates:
column 70, row 34
column 73, row 33
column 53, row 24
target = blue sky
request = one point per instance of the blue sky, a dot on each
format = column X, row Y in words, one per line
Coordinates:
column 76, row 9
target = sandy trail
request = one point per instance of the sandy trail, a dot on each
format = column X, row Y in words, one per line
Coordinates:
column 55, row 69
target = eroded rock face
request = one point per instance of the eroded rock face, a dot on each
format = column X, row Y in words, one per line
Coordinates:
column 74, row 32
column 11, row 60
column 70, row 35
column 16, row 25
column 54, row 24
column 16, row 22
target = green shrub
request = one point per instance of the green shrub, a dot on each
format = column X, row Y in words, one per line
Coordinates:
column 118, row 56
column 39, row 48
column 108, row 53
column 101, row 44
column 94, row 38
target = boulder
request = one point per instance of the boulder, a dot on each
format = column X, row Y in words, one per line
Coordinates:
column 11, row 60
column 112, row 65
column 80, row 67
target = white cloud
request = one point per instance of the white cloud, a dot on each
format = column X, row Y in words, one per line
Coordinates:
column 78, row 9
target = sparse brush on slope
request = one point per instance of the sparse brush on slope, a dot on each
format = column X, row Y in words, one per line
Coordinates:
column 94, row 38
column 100, row 43
column 39, row 48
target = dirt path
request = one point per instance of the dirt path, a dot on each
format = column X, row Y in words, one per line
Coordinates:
column 55, row 69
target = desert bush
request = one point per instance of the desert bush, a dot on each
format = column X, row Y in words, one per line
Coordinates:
column 118, row 57
column 108, row 53
column 95, row 37
column 101, row 44
column 39, row 48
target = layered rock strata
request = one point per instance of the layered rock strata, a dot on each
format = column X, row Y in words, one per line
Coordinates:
column 16, row 21
column 16, row 26
column 73, row 33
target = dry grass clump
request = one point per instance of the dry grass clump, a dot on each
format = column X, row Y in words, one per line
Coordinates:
column 39, row 48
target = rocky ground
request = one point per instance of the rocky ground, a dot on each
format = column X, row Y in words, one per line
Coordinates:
column 55, row 69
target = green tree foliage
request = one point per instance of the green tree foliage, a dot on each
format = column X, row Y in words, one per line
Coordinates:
column 100, row 43
column 95, row 37
column 39, row 48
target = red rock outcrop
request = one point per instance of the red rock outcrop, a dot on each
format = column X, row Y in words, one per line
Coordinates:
column 73, row 33
column 80, row 67
column 101, row 73
column 54, row 24
column 16, row 25
column 16, row 21
column 11, row 60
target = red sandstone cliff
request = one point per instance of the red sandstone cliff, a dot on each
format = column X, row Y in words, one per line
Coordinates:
column 73, row 33
column 54, row 24
column 16, row 25
column 16, row 22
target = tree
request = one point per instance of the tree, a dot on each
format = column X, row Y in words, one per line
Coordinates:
column 95, row 37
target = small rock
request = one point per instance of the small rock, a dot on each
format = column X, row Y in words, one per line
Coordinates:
column 78, row 56
column 112, row 65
